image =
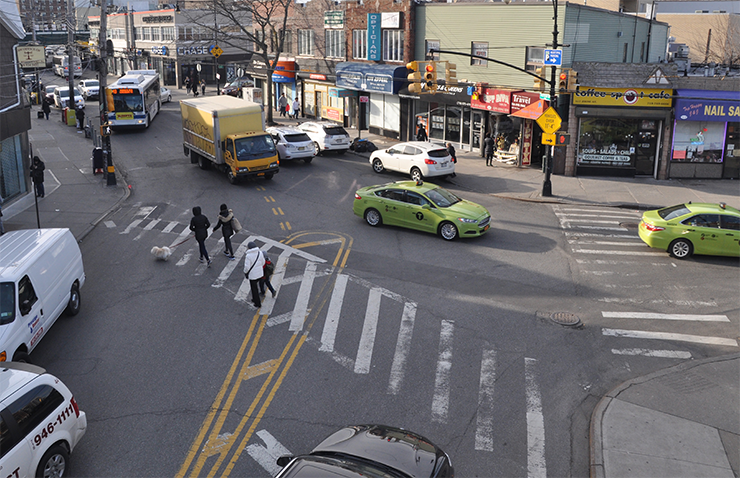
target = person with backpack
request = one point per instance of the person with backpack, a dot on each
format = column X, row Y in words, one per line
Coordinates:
column 225, row 218
column 269, row 269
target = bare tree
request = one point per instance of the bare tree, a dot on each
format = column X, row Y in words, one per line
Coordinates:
column 718, row 41
column 252, row 26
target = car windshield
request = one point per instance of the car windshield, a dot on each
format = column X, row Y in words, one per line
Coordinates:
column 438, row 153
column 673, row 212
column 297, row 138
column 7, row 302
column 65, row 93
column 91, row 83
column 442, row 197
column 335, row 130
column 255, row 147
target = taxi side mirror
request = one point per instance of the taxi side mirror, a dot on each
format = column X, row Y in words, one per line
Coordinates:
column 426, row 206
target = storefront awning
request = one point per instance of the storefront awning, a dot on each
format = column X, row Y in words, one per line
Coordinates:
column 370, row 77
column 704, row 105
column 533, row 111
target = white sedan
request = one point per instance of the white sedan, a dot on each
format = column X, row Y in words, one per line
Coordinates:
column 165, row 95
column 418, row 159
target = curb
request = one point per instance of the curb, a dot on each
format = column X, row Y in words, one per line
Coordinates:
column 596, row 450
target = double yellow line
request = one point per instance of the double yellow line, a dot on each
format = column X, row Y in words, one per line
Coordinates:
column 211, row 452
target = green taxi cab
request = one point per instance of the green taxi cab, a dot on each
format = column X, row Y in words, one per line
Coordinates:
column 421, row 206
column 699, row 228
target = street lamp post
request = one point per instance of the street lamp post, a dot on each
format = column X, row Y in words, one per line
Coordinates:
column 547, row 183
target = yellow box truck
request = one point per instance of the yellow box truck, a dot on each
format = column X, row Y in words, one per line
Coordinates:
column 229, row 134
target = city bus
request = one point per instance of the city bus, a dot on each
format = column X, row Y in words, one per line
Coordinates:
column 133, row 100
column 61, row 65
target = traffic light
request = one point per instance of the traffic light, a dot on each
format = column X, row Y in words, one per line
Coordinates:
column 414, row 77
column 450, row 73
column 430, row 76
column 538, row 83
column 563, row 81
column 573, row 80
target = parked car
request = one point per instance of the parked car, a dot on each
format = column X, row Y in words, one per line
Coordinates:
column 327, row 136
column 165, row 95
column 292, row 143
column 234, row 87
column 40, row 422
column 49, row 92
column 61, row 97
column 686, row 229
column 370, row 451
column 89, row 88
column 418, row 159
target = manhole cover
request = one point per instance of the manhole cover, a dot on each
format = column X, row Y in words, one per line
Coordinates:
column 630, row 225
column 565, row 318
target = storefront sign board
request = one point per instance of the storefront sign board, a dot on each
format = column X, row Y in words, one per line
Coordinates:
column 637, row 97
column 722, row 106
column 549, row 122
column 334, row 114
column 32, row 56
column 522, row 99
column 373, row 36
column 490, row 99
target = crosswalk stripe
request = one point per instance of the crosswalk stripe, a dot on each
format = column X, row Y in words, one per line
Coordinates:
column 133, row 224
column 617, row 253
column 230, row 266
column 403, row 346
column 683, row 303
column 649, row 315
column 181, row 237
column 300, row 309
column 601, row 228
column 169, row 227
column 590, row 221
column 332, row 316
column 654, row 353
column 369, row 329
column 536, row 465
column 698, row 339
column 571, row 233
column 484, row 430
column 441, row 399
column 607, row 243
column 605, row 211
column 626, row 216
column 151, row 225
column 267, row 455
column 268, row 303
column 610, row 262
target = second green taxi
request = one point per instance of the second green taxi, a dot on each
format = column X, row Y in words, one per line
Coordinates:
column 421, row 206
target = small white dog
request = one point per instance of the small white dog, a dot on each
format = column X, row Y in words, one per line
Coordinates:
column 161, row 253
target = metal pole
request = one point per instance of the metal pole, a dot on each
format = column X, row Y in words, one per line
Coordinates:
column 103, row 74
column 215, row 40
column 547, row 184
column 71, row 51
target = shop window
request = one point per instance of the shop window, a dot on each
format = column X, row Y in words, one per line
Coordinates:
column 481, row 49
column 359, row 44
column 437, row 123
column 306, row 42
column 608, row 142
column 392, row 45
column 334, row 43
column 698, row 141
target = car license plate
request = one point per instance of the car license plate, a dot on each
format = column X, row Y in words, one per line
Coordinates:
column 301, row 148
column 338, row 141
column 444, row 164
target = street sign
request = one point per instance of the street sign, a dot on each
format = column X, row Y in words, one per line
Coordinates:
column 545, row 96
column 549, row 121
column 553, row 57
column 216, row 51
column 31, row 56
column 548, row 138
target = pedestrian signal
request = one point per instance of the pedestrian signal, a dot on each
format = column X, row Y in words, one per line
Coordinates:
column 105, row 129
column 561, row 139
column 450, row 73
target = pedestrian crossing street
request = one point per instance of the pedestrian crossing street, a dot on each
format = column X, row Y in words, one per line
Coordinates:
column 606, row 246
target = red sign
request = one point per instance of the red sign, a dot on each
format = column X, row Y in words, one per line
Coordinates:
column 522, row 99
column 364, row 99
column 498, row 101
column 317, row 76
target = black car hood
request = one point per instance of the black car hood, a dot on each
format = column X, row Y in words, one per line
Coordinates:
column 400, row 449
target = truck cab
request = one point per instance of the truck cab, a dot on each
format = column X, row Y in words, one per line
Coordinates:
column 250, row 155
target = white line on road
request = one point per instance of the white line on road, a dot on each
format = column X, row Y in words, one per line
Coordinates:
column 403, row 346
column 441, row 400
column 133, row 224
column 590, row 221
column 626, row 216
column 594, row 234
column 653, row 353
column 648, row 315
column 536, row 467
column 277, row 282
column 333, row 314
column 605, row 211
column 180, row 238
column 683, row 303
column 109, row 224
column 609, row 262
column 602, row 228
column 697, row 339
column 369, row 329
column 267, row 455
column 304, row 294
column 484, row 430
column 608, row 243
column 618, row 253
column 169, row 227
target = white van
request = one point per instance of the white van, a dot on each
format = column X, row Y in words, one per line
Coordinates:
column 41, row 275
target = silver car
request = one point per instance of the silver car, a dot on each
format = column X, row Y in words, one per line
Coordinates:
column 292, row 143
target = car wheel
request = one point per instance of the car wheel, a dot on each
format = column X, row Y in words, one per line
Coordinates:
column 378, row 165
column 373, row 217
column 233, row 178
column 681, row 248
column 416, row 175
column 203, row 163
column 448, row 231
column 307, row 160
column 73, row 306
column 318, row 150
column 53, row 463
column 20, row 357
column 269, row 175
column 169, row 98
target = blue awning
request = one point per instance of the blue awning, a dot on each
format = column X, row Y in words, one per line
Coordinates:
column 706, row 105
column 371, row 77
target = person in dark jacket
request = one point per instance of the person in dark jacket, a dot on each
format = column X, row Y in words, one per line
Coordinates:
column 80, row 114
column 200, row 224
column 46, row 107
column 267, row 269
column 224, row 222
column 421, row 134
column 488, row 146
column 37, row 176
column 451, row 150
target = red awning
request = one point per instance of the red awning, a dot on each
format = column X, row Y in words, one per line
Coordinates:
column 532, row 111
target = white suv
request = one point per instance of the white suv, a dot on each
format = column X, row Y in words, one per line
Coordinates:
column 292, row 143
column 327, row 136
column 40, row 422
column 90, row 89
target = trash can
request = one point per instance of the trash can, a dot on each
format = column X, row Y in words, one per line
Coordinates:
column 64, row 114
column 97, row 160
column 71, row 117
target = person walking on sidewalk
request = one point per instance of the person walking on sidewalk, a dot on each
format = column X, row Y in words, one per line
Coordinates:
column 224, row 222
column 295, row 108
column 46, row 108
column 421, row 133
column 187, row 85
column 80, row 117
column 254, row 262
column 267, row 270
column 203, row 87
column 37, row 176
column 488, row 147
column 451, row 150
column 282, row 104
column 199, row 224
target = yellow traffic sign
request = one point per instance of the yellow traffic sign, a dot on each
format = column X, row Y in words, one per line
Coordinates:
column 216, row 51
column 549, row 121
column 548, row 138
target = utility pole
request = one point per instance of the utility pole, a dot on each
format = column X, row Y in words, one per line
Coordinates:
column 71, row 25
column 547, row 183
column 103, row 79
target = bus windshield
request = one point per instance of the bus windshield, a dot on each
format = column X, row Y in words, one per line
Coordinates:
column 128, row 102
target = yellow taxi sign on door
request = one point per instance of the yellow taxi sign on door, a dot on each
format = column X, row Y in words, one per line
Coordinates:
column 549, row 121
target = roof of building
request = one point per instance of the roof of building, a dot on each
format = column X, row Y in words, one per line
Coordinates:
column 10, row 18
column 648, row 75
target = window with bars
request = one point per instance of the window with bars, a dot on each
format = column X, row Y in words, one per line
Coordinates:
column 334, row 43
column 306, row 42
column 146, row 33
column 392, row 45
column 359, row 44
